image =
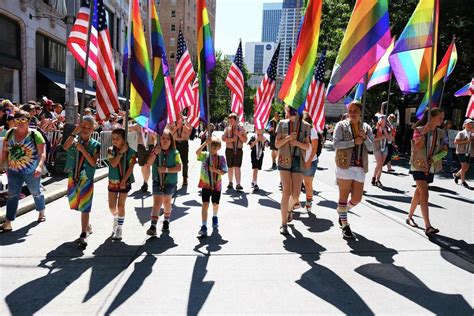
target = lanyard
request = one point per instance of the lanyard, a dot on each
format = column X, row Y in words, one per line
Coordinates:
column 79, row 166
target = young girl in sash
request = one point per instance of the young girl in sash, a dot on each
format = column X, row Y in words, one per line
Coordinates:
column 166, row 163
column 122, row 159
column 292, row 141
column 427, row 150
column 81, row 173
column 257, row 143
column 352, row 142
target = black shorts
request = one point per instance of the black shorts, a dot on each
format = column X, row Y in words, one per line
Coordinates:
column 143, row 154
column 464, row 158
column 206, row 195
column 272, row 142
column 256, row 163
column 234, row 159
column 421, row 176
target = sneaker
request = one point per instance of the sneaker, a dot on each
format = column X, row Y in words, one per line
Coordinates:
column 238, row 187
column 151, row 231
column 252, row 184
column 255, row 188
column 215, row 222
column 166, row 226
column 230, row 185
column 117, row 234
column 456, row 178
column 308, row 206
column 114, row 225
column 347, row 232
column 340, row 222
column 284, row 230
column 202, row 232
column 82, row 240
column 144, row 187
column 464, row 184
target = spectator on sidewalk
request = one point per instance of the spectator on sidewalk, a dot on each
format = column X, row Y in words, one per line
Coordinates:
column 81, row 173
column 24, row 153
column 464, row 147
column 48, row 109
column 450, row 137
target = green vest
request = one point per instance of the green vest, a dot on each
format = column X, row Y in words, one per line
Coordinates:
column 92, row 147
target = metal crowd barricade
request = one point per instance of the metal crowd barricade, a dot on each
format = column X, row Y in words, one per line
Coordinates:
column 105, row 142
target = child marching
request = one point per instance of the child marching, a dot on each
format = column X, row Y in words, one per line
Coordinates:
column 80, row 189
column 120, row 178
column 213, row 167
column 166, row 163
column 257, row 143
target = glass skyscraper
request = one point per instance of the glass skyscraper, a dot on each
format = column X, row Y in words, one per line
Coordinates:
column 271, row 21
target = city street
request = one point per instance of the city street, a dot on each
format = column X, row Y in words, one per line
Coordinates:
column 246, row 266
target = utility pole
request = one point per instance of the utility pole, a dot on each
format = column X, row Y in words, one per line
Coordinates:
column 70, row 105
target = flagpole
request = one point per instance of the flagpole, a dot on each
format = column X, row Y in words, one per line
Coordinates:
column 433, row 52
column 364, row 97
column 84, row 77
column 444, row 80
column 389, row 91
column 127, row 107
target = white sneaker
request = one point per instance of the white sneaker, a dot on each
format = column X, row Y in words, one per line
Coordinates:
column 118, row 234
column 114, row 225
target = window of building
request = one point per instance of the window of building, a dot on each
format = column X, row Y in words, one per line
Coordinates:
column 50, row 54
column 173, row 13
column 171, row 55
column 9, row 38
column 110, row 22
column 172, row 41
column 173, row 28
column 173, row 2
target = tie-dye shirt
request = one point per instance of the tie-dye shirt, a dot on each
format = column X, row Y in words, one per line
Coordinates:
column 204, row 181
column 23, row 155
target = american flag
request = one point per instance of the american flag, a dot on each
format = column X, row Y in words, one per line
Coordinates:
column 235, row 82
column 184, row 75
column 265, row 93
column 315, row 98
column 194, row 111
column 470, row 106
column 101, row 63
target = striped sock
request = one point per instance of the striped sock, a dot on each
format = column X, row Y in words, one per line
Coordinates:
column 351, row 205
column 342, row 211
column 120, row 220
column 154, row 220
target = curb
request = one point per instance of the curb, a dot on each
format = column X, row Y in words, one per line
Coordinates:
column 49, row 197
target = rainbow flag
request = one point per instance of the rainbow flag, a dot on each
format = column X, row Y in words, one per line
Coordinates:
column 445, row 68
column 356, row 94
column 206, row 57
column 411, row 56
column 381, row 72
column 366, row 39
column 300, row 72
column 161, row 96
column 464, row 91
column 139, row 69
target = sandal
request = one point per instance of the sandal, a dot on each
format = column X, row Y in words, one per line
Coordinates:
column 431, row 231
column 41, row 219
column 5, row 230
column 411, row 222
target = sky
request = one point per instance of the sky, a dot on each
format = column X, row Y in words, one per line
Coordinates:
column 237, row 19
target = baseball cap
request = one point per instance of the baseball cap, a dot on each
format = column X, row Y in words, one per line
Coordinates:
column 468, row 121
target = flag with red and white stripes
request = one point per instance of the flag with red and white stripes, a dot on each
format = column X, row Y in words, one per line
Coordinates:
column 101, row 63
column 470, row 106
column 315, row 98
column 235, row 82
column 266, row 93
column 184, row 75
column 194, row 110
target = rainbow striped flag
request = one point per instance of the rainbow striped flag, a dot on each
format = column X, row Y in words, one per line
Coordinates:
column 162, row 97
column 366, row 39
column 300, row 72
column 464, row 91
column 356, row 93
column 411, row 56
column 381, row 72
column 445, row 69
column 139, row 68
column 206, row 57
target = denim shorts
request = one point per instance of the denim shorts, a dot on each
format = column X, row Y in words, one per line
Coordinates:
column 295, row 166
column 311, row 171
column 168, row 189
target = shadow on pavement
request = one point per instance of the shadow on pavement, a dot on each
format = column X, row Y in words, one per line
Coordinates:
column 460, row 199
column 320, row 280
column 16, row 236
column 314, row 224
column 143, row 214
column 442, row 190
column 458, row 248
column 392, row 190
column 398, row 198
column 200, row 289
column 402, row 281
column 389, row 207
column 238, row 197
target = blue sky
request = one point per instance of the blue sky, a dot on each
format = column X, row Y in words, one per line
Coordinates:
column 238, row 19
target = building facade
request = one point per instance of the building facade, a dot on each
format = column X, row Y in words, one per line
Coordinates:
column 271, row 21
column 290, row 20
column 33, row 40
column 174, row 14
column 258, row 56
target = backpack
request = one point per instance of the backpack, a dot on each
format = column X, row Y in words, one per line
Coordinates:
column 320, row 145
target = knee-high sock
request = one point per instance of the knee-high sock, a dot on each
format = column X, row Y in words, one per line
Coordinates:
column 342, row 211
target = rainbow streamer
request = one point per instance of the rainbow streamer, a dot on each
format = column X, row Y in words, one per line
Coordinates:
column 139, row 69
column 382, row 71
column 366, row 39
column 206, row 57
column 445, row 68
column 159, row 101
column 300, row 72
column 464, row 91
column 411, row 56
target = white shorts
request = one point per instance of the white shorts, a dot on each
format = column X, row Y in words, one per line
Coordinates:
column 353, row 173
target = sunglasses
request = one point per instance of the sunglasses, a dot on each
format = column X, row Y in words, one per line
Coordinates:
column 21, row 120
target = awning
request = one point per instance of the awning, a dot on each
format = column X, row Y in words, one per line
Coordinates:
column 60, row 80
